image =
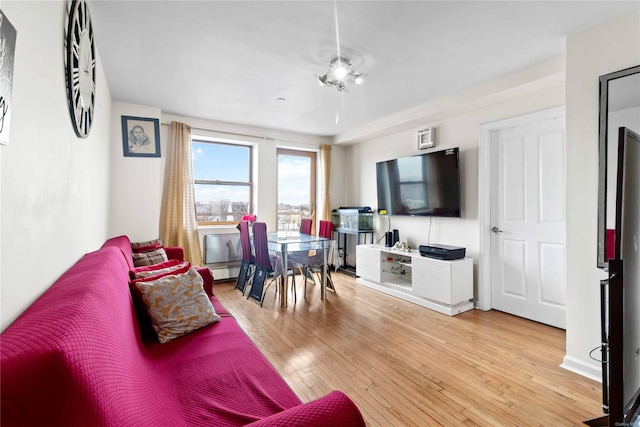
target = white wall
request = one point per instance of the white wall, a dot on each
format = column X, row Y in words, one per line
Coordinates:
column 62, row 196
column 136, row 186
column 602, row 49
column 137, row 183
column 54, row 186
column 458, row 125
column 266, row 143
column 59, row 200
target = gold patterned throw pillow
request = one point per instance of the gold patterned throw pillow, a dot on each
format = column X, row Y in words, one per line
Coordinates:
column 177, row 305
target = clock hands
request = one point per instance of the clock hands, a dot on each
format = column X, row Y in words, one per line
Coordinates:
column 87, row 62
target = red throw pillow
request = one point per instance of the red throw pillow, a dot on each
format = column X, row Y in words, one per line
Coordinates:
column 154, row 267
column 161, row 271
column 182, row 268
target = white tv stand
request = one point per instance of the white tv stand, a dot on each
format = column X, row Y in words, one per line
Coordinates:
column 443, row 286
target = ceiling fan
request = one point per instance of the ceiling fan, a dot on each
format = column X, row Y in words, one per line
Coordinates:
column 340, row 72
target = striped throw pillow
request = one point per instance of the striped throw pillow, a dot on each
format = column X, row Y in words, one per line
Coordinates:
column 155, row 256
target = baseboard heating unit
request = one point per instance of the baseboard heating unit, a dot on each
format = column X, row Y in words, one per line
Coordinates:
column 223, row 255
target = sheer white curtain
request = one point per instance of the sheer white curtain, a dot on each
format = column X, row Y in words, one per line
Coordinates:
column 178, row 223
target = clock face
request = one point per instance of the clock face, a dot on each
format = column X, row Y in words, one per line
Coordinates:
column 80, row 68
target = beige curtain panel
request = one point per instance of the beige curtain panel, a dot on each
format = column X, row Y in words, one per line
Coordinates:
column 178, row 224
column 325, row 171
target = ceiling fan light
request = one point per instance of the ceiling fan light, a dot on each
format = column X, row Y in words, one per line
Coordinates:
column 340, row 72
column 358, row 78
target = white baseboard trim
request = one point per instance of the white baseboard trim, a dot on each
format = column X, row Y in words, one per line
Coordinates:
column 588, row 370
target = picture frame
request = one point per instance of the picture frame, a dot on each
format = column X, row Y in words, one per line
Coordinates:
column 140, row 136
column 8, row 35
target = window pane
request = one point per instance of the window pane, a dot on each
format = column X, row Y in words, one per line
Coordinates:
column 220, row 162
column 294, row 190
column 221, row 202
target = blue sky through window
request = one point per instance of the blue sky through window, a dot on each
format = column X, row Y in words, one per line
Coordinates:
column 294, row 180
column 219, row 162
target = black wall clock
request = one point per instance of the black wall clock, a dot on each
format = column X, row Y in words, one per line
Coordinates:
column 80, row 60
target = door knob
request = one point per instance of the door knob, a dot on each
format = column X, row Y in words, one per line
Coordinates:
column 496, row 230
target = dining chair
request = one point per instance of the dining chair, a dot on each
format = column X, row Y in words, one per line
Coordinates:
column 248, row 260
column 306, row 225
column 264, row 265
column 326, row 231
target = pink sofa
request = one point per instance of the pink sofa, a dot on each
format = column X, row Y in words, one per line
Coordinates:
column 76, row 357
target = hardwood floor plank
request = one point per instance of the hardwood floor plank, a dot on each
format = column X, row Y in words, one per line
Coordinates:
column 405, row 365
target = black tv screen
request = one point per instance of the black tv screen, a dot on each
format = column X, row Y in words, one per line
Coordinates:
column 423, row 185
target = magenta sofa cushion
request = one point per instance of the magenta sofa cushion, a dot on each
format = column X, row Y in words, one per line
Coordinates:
column 76, row 357
column 334, row 409
column 124, row 244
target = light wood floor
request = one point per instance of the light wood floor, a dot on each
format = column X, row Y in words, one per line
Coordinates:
column 405, row 365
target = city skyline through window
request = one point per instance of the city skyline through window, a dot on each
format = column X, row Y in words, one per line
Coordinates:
column 222, row 181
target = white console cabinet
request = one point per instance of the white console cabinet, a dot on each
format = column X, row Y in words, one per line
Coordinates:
column 444, row 286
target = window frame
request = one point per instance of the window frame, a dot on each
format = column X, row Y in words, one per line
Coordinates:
column 313, row 175
column 249, row 183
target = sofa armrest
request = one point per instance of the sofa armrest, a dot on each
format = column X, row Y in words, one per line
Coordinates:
column 175, row 252
column 207, row 279
column 334, row 409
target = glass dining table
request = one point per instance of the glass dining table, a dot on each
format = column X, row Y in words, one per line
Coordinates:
column 297, row 245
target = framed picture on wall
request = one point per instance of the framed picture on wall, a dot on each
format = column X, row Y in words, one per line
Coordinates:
column 140, row 136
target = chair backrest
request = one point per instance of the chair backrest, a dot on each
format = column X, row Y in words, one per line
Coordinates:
column 305, row 226
column 326, row 229
column 245, row 241
column 261, row 245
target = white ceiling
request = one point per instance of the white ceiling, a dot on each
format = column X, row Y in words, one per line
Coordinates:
column 230, row 60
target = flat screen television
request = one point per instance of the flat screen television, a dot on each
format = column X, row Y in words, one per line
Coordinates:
column 422, row 185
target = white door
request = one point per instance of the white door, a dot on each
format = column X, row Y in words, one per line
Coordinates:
column 528, row 239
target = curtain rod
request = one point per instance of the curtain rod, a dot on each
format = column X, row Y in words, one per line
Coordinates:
column 266, row 138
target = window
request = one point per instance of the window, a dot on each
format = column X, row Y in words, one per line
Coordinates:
column 222, row 181
column 296, row 188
